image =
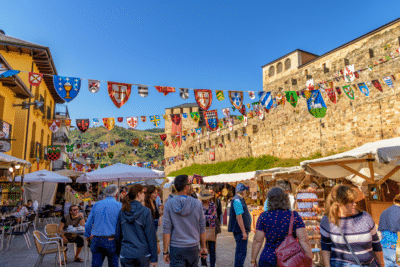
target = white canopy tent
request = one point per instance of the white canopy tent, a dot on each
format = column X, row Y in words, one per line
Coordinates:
column 120, row 172
column 70, row 173
column 229, row 178
column 39, row 180
column 4, row 158
column 373, row 161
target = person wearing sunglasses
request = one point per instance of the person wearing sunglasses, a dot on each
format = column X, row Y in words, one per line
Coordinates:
column 73, row 219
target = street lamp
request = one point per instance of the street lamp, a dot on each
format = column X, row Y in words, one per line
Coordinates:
column 26, row 105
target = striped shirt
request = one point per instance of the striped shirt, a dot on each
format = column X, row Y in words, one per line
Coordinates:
column 361, row 234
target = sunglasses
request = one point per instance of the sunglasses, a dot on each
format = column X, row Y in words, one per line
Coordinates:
column 75, row 209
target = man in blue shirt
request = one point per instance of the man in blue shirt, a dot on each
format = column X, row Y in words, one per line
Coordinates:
column 240, row 223
column 101, row 225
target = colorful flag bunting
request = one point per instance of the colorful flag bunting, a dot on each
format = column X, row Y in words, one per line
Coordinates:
column 109, row 123
column 252, row 95
column 143, row 90
column 377, row 85
column 348, row 91
column 349, row 73
column 184, row 93
column 82, row 124
column 388, row 81
column 165, row 89
column 265, row 99
column 132, row 122
column 93, row 86
column 226, row 112
column 119, row 93
column 236, row 98
column 220, row 95
column 66, row 87
column 316, row 105
column 292, row 98
column 203, row 98
column 155, row 119
column 211, row 118
column 143, row 118
column 363, row 88
column 195, row 116
column 35, row 79
column 95, row 121
column 54, row 125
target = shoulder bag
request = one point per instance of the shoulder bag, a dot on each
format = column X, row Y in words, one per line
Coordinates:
column 289, row 253
column 351, row 250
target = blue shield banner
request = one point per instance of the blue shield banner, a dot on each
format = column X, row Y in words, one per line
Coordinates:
column 95, row 121
column 67, row 87
column 104, row 145
column 155, row 120
column 265, row 99
column 211, row 119
column 316, row 104
column 236, row 98
column 363, row 88
column 198, row 130
column 184, row 137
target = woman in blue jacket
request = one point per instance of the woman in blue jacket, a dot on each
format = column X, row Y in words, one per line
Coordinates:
column 135, row 234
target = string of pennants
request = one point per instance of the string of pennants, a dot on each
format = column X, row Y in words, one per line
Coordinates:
column 69, row 87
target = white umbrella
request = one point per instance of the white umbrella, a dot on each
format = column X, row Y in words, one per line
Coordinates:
column 376, row 158
column 119, row 172
column 42, row 177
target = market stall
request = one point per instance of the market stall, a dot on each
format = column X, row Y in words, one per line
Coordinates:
column 370, row 165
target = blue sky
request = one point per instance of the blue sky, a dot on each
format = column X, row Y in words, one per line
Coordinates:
column 219, row 45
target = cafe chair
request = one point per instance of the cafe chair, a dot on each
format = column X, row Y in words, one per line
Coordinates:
column 5, row 225
column 19, row 230
column 51, row 230
column 32, row 219
column 43, row 249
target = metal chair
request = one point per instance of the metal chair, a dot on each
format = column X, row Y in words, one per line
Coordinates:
column 43, row 249
column 51, row 231
column 5, row 225
column 32, row 219
column 19, row 230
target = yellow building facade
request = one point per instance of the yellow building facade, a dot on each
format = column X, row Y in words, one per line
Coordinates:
column 29, row 127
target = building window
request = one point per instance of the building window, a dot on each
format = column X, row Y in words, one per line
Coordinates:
column 222, row 139
column 279, row 68
column 294, row 81
column 371, row 53
column 306, row 72
column 346, row 62
column 229, row 137
column 244, row 130
column 236, row 134
column 287, row 64
column 271, row 71
column 326, row 70
column 255, row 129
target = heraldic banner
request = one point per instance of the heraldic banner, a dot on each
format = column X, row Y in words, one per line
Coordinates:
column 177, row 129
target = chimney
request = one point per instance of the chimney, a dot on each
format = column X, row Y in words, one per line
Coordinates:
column 2, row 32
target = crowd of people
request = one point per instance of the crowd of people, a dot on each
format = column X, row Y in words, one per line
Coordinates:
column 126, row 233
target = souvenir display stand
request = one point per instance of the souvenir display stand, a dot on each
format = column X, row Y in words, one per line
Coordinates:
column 312, row 223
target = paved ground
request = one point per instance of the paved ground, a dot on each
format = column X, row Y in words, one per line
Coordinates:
column 19, row 255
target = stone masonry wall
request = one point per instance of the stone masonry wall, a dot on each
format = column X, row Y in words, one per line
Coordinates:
column 288, row 132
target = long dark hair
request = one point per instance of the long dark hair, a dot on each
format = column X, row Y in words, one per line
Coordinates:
column 133, row 191
column 147, row 200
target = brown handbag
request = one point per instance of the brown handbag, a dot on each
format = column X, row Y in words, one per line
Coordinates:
column 289, row 253
column 210, row 234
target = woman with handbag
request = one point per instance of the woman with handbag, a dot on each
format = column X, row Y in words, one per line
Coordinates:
column 210, row 212
column 280, row 226
column 348, row 236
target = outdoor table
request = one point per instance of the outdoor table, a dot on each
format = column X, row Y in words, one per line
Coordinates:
column 75, row 230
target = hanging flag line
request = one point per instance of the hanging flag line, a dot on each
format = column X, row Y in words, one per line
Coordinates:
column 166, row 89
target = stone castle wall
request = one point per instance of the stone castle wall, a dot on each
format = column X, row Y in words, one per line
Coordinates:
column 288, row 132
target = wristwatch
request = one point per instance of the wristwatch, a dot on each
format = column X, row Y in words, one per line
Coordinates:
column 166, row 253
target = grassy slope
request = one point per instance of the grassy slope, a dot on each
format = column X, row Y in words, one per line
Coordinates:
column 101, row 134
column 246, row 165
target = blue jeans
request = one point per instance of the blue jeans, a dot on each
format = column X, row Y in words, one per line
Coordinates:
column 389, row 256
column 156, row 224
column 345, row 264
column 211, row 251
column 241, row 249
column 102, row 247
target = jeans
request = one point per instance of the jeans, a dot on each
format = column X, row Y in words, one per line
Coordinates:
column 241, row 249
column 102, row 247
column 143, row 262
column 389, row 256
column 346, row 264
column 184, row 257
column 211, row 251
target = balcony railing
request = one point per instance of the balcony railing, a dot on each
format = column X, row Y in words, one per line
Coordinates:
column 36, row 150
column 60, row 138
column 61, row 110
column 6, row 128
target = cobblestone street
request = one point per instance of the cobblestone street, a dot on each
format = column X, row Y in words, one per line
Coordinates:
column 19, row 255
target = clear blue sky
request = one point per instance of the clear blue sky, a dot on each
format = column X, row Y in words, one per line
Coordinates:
column 219, row 45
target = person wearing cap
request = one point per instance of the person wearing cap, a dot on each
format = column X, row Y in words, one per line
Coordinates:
column 184, row 227
column 240, row 223
column 100, row 227
column 210, row 213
